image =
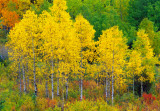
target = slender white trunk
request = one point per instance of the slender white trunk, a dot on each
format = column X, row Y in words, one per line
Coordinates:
column 79, row 85
column 58, row 79
column 57, row 86
column 27, row 81
column 113, row 79
column 66, row 89
column 62, row 94
column 34, row 69
column 133, row 84
column 24, row 79
column 141, row 88
column 106, row 88
column 109, row 87
column 81, row 96
column 52, row 81
column 20, row 84
column 97, row 79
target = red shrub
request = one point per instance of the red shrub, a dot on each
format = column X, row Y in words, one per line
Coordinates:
column 148, row 98
column 51, row 103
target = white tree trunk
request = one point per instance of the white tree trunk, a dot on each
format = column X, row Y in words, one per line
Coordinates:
column 81, row 96
column 133, row 84
column 57, row 86
column 20, row 84
column 24, row 79
column 52, row 81
column 113, row 79
column 106, row 88
column 62, row 93
column 141, row 88
column 34, row 69
column 66, row 89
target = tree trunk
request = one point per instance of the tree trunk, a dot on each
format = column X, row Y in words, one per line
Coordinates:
column 24, row 79
column 27, row 79
column 47, row 93
column 66, row 89
column 34, row 69
column 79, row 85
column 28, row 84
column 109, row 88
column 113, row 79
column 141, row 88
column 52, row 81
column 106, row 88
column 62, row 94
column 20, row 84
column 57, row 86
column 133, row 84
column 97, row 79
column 81, row 96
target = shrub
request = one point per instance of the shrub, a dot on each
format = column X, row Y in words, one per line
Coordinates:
column 87, row 105
column 148, row 98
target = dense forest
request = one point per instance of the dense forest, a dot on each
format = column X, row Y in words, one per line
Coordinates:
column 79, row 55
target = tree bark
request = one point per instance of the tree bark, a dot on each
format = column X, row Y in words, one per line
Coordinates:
column 81, row 96
column 66, row 89
column 20, row 84
column 113, row 79
column 109, row 88
column 106, row 88
column 133, row 84
column 27, row 79
column 24, row 79
column 97, row 79
column 52, row 81
column 62, row 94
column 57, row 86
column 34, row 69
column 28, row 84
column 141, row 88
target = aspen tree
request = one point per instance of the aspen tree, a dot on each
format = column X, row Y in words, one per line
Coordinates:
column 85, row 33
column 51, row 38
column 142, row 45
column 62, row 18
column 25, row 36
column 17, row 50
column 134, row 66
column 112, row 49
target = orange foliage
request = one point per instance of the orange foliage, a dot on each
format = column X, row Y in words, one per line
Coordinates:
column 9, row 18
column 89, row 84
column 4, row 3
column 51, row 103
